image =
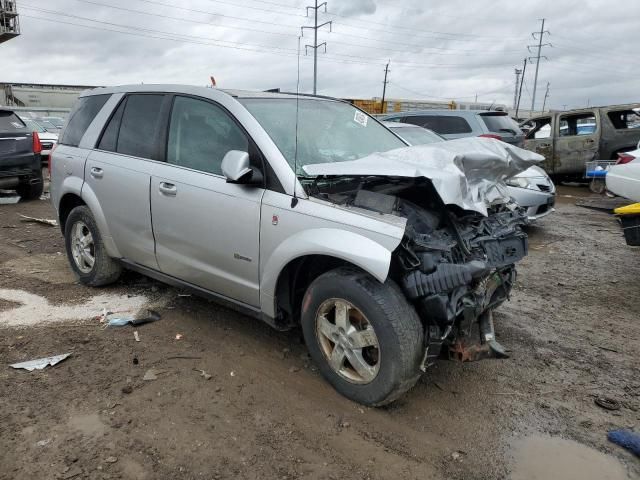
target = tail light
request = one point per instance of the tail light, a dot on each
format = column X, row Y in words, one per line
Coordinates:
column 624, row 158
column 37, row 146
column 491, row 135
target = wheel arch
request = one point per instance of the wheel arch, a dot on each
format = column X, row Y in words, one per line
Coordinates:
column 301, row 258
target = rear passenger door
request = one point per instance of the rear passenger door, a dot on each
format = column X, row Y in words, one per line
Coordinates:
column 206, row 230
column 577, row 142
column 539, row 139
column 118, row 172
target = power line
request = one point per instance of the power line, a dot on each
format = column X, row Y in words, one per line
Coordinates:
column 384, row 86
column 537, row 57
column 315, row 45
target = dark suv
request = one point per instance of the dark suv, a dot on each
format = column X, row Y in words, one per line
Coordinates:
column 20, row 148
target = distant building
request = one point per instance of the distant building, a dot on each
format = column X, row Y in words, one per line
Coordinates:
column 41, row 99
column 393, row 105
column 9, row 20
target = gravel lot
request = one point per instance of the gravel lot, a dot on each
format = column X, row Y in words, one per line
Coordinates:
column 571, row 327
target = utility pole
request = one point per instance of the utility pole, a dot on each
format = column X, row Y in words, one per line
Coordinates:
column 384, row 85
column 524, row 70
column 537, row 58
column 546, row 95
column 315, row 45
column 515, row 92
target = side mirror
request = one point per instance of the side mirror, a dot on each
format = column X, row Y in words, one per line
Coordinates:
column 236, row 168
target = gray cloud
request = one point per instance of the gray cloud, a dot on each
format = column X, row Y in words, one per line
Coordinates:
column 443, row 50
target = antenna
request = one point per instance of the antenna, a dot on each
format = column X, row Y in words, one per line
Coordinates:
column 294, row 200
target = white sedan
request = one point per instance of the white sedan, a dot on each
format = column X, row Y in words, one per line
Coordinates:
column 624, row 179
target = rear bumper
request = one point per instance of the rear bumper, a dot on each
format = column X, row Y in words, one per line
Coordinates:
column 20, row 169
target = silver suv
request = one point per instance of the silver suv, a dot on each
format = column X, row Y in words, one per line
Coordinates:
column 452, row 124
column 386, row 264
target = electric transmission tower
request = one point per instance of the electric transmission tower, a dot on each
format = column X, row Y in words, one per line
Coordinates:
column 315, row 45
column 515, row 91
column 537, row 58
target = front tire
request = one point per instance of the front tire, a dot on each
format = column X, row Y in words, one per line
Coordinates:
column 366, row 339
column 85, row 250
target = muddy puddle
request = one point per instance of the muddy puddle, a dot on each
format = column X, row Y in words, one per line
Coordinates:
column 542, row 457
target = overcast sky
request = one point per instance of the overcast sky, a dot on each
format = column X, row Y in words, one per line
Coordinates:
column 446, row 49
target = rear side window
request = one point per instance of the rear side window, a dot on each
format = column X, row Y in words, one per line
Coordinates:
column 201, row 134
column 10, row 122
column 134, row 127
column 500, row 123
column 442, row 124
column 83, row 113
column 624, row 119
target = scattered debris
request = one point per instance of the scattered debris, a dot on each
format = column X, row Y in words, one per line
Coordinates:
column 184, row 295
column 135, row 360
column 127, row 389
column 607, row 403
column 9, row 200
column 111, row 459
column 71, row 473
column 626, row 439
column 218, row 389
column 136, row 336
column 178, row 336
column 602, row 203
column 40, row 363
column 203, row 374
column 456, row 456
column 152, row 374
column 44, row 221
column 294, row 369
column 42, row 443
column 232, row 373
column 152, row 316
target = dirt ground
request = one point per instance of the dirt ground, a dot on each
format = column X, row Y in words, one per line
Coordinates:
column 571, row 328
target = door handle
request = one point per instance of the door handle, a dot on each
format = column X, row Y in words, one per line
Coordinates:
column 589, row 140
column 544, row 145
column 96, row 172
column 168, row 188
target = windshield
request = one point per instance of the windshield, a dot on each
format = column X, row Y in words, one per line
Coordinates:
column 417, row 135
column 500, row 122
column 34, row 126
column 47, row 124
column 56, row 121
column 328, row 131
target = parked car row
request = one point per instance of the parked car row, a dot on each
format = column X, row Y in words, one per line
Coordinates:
column 298, row 210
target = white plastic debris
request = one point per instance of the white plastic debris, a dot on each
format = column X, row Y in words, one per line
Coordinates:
column 44, row 221
column 40, row 363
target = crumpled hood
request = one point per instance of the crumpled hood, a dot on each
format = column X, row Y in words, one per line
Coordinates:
column 468, row 172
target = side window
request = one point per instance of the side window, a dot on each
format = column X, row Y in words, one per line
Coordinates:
column 574, row 125
column 394, row 119
column 109, row 139
column 83, row 113
column 200, row 135
column 623, row 119
column 442, row 124
column 139, row 126
column 540, row 128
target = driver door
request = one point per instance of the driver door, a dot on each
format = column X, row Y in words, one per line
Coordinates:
column 206, row 230
column 540, row 140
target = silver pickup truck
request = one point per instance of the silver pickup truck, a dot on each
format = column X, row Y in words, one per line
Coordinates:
column 301, row 211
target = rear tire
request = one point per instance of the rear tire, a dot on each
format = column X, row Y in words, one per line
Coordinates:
column 31, row 191
column 372, row 368
column 85, row 250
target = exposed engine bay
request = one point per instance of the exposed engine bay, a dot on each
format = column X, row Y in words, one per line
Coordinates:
column 455, row 266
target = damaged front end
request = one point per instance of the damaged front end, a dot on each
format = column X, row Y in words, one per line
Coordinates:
column 463, row 234
column 456, row 267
